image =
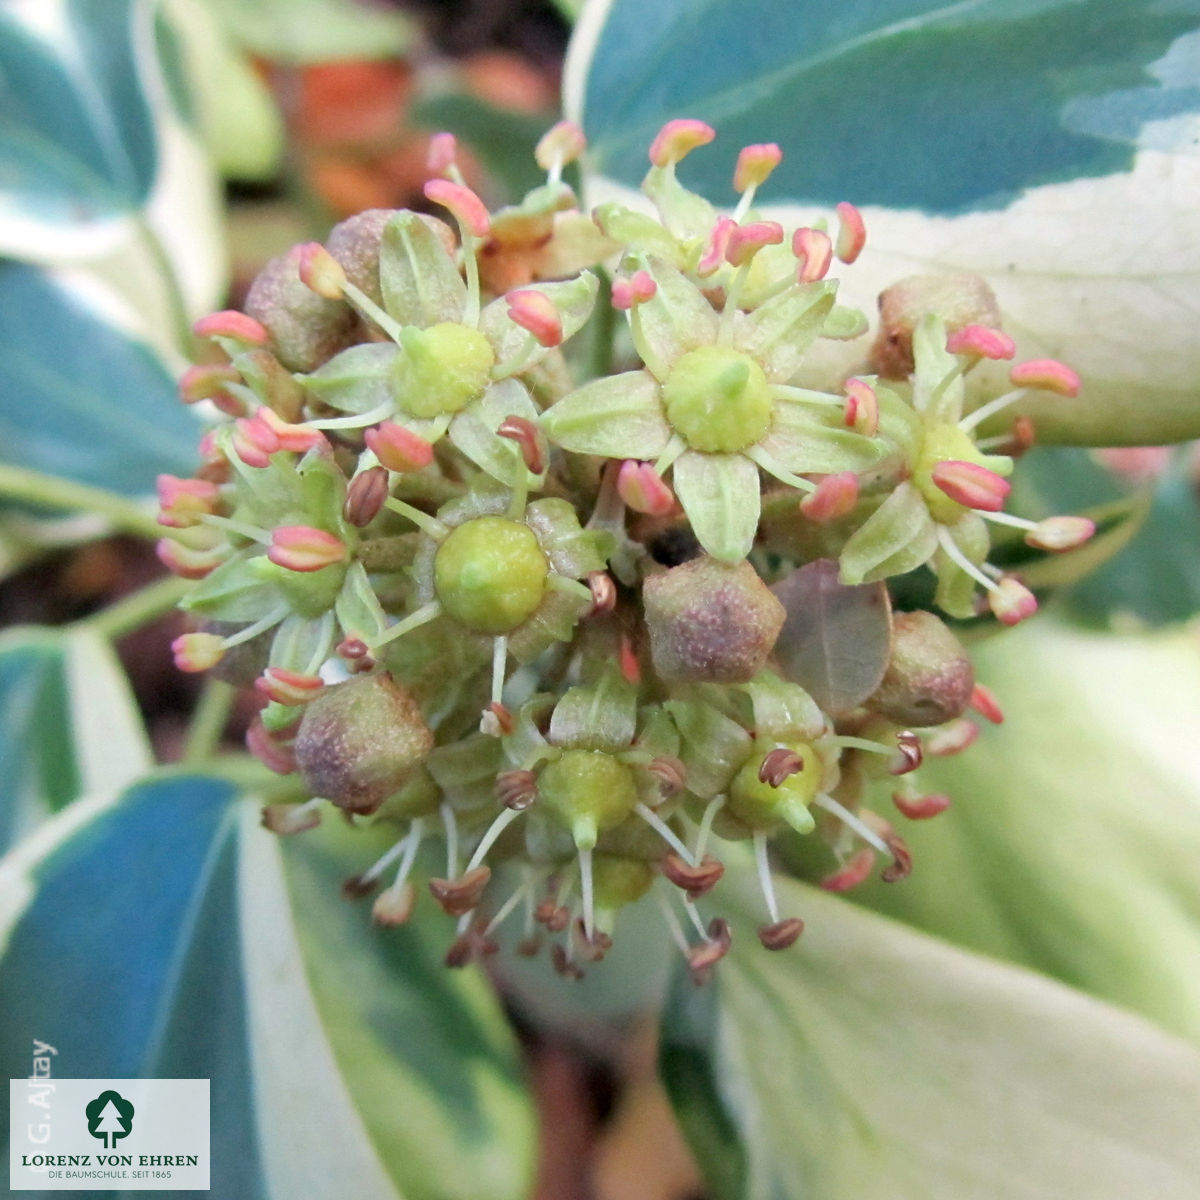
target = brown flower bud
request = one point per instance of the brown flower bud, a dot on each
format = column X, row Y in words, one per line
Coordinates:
column 959, row 300
column 929, row 677
column 306, row 329
column 358, row 742
column 710, row 621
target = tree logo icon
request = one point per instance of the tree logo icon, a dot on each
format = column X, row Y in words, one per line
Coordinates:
column 109, row 1117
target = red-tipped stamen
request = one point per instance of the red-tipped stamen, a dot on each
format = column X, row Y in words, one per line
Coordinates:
column 1011, row 601
column 745, row 241
column 298, row 439
column 815, row 252
column 196, row 652
column 862, row 407
column 1061, row 533
column 464, row 204
column 981, row 341
column 183, row 501
column 232, row 326
column 560, row 144
column 187, row 562
column 984, row 702
column 320, row 272
column 716, row 247
column 1048, row 374
column 643, row 490
column 254, row 441
column 921, row 808
column 755, row 164
column 303, row 548
column 398, row 448
column 209, row 381
column 854, row 871
column 530, row 440
column 442, row 155
column 677, row 139
column 852, row 233
column 288, row 687
column 952, row 738
column 536, row 312
column 835, row 496
column 969, row 484
column 628, row 292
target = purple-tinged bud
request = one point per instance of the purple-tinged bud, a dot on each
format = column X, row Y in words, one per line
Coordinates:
column 710, row 621
column 464, row 205
column 359, row 741
column 320, row 272
column 303, row 548
column 537, row 313
column 921, row 808
column 836, row 495
column 195, row 652
column 232, row 326
column 929, row 677
column 1048, row 374
column 1061, row 533
column 862, row 407
column 398, row 448
column 291, row 688
column 972, row 485
column 852, row 233
column 815, row 252
column 182, row 502
column 561, row 144
column 745, row 241
column 755, row 164
column 854, row 871
column 677, row 139
column 981, row 341
column 642, row 488
column 984, row 702
column 901, row 867
column 365, row 496
column 1011, row 601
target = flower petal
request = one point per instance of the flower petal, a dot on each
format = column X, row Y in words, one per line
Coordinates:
column 780, row 332
column 420, row 281
column 937, row 378
column 720, row 494
column 803, row 440
column 619, row 416
column 677, row 318
column 574, row 299
column 898, row 536
column 473, row 430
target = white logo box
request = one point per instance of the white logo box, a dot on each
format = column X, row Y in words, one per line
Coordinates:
column 51, row 1147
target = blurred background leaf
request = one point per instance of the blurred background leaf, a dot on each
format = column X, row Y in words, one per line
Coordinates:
column 344, row 1058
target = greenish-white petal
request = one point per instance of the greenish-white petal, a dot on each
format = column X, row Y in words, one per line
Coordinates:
column 898, row 536
column 420, row 281
column 620, row 416
column 473, row 430
column 676, row 319
column 720, row 494
column 804, row 441
column 574, row 300
column 780, row 332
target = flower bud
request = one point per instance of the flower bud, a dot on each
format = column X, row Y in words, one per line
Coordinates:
column 183, row 501
column 710, row 621
column 929, row 677
column 359, row 741
column 960, row 300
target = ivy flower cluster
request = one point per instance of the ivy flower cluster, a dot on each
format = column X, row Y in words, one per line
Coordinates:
column 542, row 619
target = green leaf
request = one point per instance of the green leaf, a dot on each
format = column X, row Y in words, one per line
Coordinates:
column 343, row 1058
column 99, row 158
column 1031, row 130
column 1074, row 829
column 80, row 397
column 872, row 1061
column 68, row 725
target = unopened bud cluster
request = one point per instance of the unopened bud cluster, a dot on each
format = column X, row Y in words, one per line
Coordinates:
column 535, row 617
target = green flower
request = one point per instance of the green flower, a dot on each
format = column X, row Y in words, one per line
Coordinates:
column 713, row 402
